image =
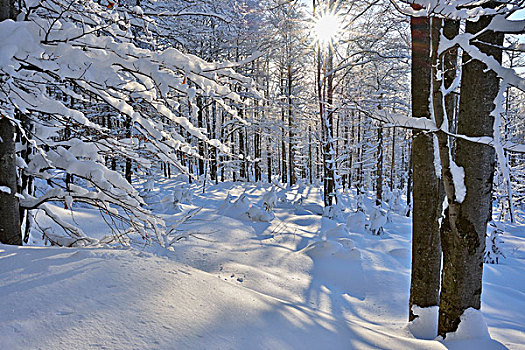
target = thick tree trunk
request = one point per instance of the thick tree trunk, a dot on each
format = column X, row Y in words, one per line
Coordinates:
column 7, row 9
column 10, row 216
column 464, row 232
column 10, row 232
column 427, row 189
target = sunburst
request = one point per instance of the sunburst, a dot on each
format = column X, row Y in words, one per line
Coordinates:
column 327, row 27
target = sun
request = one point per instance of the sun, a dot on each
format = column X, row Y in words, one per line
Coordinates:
column 326, row 28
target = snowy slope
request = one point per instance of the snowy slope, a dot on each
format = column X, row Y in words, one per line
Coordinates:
column 299, row 281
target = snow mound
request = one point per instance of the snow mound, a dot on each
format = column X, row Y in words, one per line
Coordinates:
column 377, row 220
column 314, row 208
column 243, row 209
column 425, row 325
column 472, row 325
column 472, row 334
column 356, row 222
column 336, row 267
column 339, row 231
column 337, row 249
column 256, row 213
column 400, row 253
column 269, row 200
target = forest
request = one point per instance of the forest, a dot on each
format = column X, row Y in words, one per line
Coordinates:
column 275, row 174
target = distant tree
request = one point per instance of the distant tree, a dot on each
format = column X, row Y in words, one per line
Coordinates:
column 84, row 51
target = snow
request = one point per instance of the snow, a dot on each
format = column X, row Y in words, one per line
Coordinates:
column 472, row 325
column 229, row 282
column 458, row 176
column 5, row 189
column 426, row 324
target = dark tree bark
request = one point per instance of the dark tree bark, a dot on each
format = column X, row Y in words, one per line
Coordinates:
column 427, row 189
column 10, row 216
column 310, row 156
column 464, row 229
column 284, row 172
column 212, row 127
column 409, row 177
column 10, row 232
column 258, row 153
column 128, row 171
column 7, row 10
column 379, row 179
column 393, row 160
column 327, row 119
column 242, row 151
column 269, row 158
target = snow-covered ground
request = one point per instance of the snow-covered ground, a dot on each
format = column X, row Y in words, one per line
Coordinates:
column 299, row 281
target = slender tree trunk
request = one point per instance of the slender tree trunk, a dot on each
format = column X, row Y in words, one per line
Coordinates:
column 242, row 151
column 291, row 159
column 392, row 160
column 464, row 230
column 427, row 189
column 213, row 132
column 327, row 119
column 284, row 173
column 359, row 177
column 234, row 172
column 257, row 146
column 128, row 170
column 379, row 179
column 200, row 124
column 269, row 158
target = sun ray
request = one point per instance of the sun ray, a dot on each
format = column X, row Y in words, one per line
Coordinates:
column 326, row 28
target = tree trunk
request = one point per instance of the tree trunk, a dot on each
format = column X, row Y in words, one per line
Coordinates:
column 284, row 173
column 10, row 232
column 326, row 111
column 310, row 156
column 427, row 191
column 7, row 10
column 464, row 229
column 291, row 160
column 10, row 224
column 128, row 171
column 200, row 124
column 393, row 160
column 242, row 151
column 379, row 179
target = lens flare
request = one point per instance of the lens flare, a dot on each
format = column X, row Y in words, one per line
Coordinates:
column 326, row 28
